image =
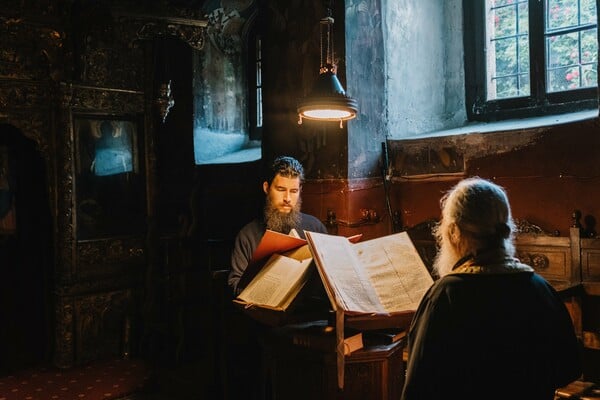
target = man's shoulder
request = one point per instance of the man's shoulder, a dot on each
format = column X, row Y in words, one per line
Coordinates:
column 256, row 226
column 310, row 222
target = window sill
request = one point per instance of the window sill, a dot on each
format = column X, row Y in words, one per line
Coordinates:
column 510, row 125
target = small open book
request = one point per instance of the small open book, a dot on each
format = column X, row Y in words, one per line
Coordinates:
column 280, row 280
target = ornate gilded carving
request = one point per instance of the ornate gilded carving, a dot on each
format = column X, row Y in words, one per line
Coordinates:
column 63, row 334
column 24, row 104
column 110, row 251
column 191, row 32
column 165, row 101
column 101, row 324
column 34, row 126
column 23, row 94
column 187, row 26
column 538, row 261
column 65, row 182
column 524, row 226
column 30, row 51
column 112, row 101
column 103, row 55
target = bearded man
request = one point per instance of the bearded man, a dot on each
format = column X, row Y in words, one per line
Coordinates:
column 490, row 327
column 282, row 214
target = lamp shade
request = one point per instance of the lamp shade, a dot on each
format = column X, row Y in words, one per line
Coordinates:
column 327, row 101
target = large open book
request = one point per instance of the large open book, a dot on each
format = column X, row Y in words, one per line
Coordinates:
column 374, row 284
column 377, row 283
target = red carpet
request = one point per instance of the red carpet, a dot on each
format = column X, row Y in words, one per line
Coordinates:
column 102, row 380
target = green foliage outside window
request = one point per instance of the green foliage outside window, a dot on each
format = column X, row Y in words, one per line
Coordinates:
column 571, row 46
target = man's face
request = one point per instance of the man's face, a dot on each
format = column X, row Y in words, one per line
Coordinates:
column 283, row 193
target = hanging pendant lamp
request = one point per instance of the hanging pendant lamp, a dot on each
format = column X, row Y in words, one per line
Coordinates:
column 328, row 100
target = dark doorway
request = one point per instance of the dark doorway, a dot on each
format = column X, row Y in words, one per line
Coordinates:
column 25, row 254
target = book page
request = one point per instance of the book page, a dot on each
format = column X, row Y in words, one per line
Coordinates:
column 383, row 275
column 395, row 270
column 341, row 271
column 272, row 242
column 278, row 282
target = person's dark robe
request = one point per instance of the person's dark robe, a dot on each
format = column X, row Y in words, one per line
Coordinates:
column 493, row 332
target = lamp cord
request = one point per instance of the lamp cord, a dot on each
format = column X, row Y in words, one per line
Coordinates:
column 386, row 187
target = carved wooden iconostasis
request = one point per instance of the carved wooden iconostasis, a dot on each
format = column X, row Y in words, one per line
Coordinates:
column 77, row 81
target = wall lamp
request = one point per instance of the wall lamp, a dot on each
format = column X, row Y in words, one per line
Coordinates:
column 328, row 100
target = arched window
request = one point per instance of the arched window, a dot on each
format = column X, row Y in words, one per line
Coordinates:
column 227, row 90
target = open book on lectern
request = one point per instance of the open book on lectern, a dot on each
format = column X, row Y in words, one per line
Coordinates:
column 377, row 283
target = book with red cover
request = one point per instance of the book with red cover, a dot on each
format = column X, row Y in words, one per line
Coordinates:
column 274, row 242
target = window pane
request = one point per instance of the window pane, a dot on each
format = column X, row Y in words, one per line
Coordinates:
column 572, row 60
column 571, row 44
column 508, row 49
column 589, row 58
column 523, row 9
column 506, row 61
column 562, row 14
column 588, row 12
column 563, row 53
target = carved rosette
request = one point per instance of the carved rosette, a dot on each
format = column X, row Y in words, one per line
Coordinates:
column 537, row 261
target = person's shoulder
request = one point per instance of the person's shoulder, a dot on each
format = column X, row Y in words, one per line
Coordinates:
column 539, row 280
column 310, row 222
column 309, row 217
column 447, row 282
column 252, row 227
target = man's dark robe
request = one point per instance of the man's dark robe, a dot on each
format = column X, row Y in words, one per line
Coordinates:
column 491, row 331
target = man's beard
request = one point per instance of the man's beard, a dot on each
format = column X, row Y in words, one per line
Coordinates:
column 445, row 258
column 282, row 222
